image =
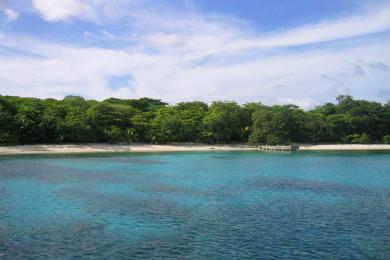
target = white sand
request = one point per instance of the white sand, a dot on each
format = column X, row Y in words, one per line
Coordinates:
column 97, row 148
column 345, row 147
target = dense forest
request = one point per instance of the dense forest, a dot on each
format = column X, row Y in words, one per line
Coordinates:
column 76, row 120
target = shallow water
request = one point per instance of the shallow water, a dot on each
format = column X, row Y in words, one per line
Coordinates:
column 210, row 205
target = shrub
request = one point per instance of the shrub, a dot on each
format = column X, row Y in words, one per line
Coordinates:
column 364, row 139
column 386, row 139
column 114, row 134
column 357, row 139
column 7, row 138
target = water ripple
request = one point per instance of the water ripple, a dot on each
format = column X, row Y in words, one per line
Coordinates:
column 211, row 206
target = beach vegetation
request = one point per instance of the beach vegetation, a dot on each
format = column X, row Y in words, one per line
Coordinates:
column 357, row 139
column 77, row 120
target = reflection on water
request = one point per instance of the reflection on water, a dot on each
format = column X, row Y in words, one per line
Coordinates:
column 214, row 205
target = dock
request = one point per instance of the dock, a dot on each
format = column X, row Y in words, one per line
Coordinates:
column 281, row 148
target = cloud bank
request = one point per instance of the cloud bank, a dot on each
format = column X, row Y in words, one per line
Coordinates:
column 194, row 56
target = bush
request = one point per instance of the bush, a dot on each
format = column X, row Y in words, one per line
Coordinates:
column 386, row 139
column 364, row 139
column 114, row 134
column 357, row 139
column 7, row 138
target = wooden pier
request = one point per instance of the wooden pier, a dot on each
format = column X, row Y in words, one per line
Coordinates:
column 278, row 148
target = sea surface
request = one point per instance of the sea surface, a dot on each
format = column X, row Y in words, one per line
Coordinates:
column 204, row 205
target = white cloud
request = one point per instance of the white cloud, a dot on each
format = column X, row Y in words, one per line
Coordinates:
column 10, row 15
column 305, row 103
column 294, row 78
column 214, row 40
column 164, row 39
column 88, row 10
column 326, row 31
column 180, row 58
column 62, row 10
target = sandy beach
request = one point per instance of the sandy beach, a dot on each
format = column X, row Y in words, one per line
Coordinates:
column 345, row 147
column 101, row 148
column 107, row 148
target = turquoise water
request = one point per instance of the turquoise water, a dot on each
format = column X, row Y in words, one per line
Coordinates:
column 211, row 205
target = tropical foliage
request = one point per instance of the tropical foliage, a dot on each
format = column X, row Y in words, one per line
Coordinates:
column 76, row 120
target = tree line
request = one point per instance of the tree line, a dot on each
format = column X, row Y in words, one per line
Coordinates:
column 77, row 120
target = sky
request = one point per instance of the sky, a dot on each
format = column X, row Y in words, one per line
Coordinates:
column 303, row 52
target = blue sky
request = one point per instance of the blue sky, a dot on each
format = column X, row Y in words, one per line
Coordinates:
column 304, row 52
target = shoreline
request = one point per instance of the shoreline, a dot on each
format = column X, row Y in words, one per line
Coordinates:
column 345, row 147
column 116, row 148
column 137, row 148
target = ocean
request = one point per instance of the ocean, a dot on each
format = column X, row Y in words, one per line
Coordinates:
column 196, row 205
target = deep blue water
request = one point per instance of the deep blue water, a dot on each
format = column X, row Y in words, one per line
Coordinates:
column 211, row 205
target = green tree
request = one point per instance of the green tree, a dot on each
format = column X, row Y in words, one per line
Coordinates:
column 340, row 125
column 130, row 134
column 271, row 126
column 141, row 122
column 52, row 121
column 146, row 104
column 166, row 126
column 108, row 119
column 191, row 115
column 75, row 119
column 76, row 128
column 29, row 122
column 246, row 119
column 224, row 121
column 8, row 127
column 316, row 127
